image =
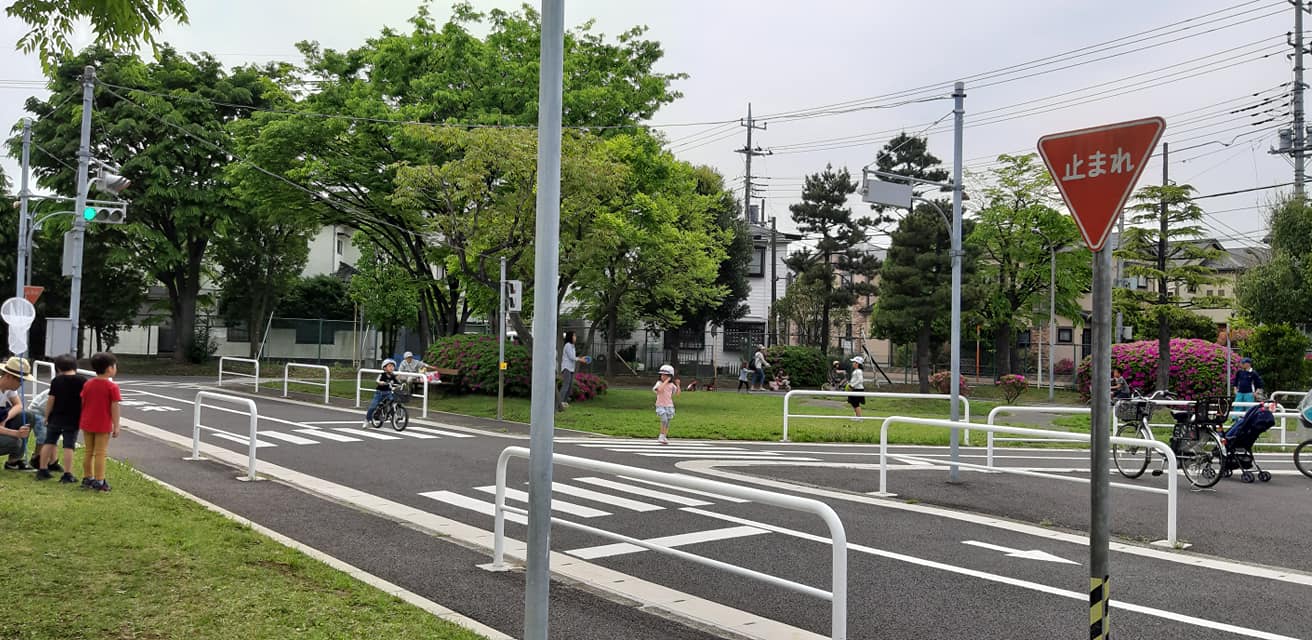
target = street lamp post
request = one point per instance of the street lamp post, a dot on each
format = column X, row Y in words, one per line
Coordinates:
column 1052, row 314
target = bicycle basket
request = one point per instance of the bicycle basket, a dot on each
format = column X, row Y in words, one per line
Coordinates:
column 1131, row 410
column 401, row 393
column 1212, row 410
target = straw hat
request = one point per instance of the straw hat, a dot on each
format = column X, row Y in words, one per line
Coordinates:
column 19, row 368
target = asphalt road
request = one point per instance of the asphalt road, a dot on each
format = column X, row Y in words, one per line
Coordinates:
column 1004, row 559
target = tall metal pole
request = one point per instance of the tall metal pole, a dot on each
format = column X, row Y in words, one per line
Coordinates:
column 774, row 284
column 1100, row 463
column 1163, row 328
column 501, row 340
column 1229, row 355
column 747, row 184
column 547, row 274
column 1052, row 326
column 79, row 220
column 1300, row 137
column 23, row 222
column 959, row 117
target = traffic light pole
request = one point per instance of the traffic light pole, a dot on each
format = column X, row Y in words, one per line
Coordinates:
column 79, row 221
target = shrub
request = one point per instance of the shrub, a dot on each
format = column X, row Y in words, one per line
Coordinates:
column 1012, row 385
column 942, row 383
column 476, row 358
column 1197, row 367
column 806, row 366
column 586, row 386
column 1278, row 352
column 1064, row 367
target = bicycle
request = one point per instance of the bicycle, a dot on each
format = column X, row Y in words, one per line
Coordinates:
column 1133, row 414
column 392, row 408
column 1303, row 457
column 1197, row 446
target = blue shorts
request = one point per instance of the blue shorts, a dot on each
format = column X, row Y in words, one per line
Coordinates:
column 665, row 413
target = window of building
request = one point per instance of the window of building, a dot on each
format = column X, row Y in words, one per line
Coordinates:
column 1220, row 292
column 1193, row 288
column 757, row 267
column 686, row 338
column 742, row 337
column 1065, row 335
column 1210, row 292
column 339, row 245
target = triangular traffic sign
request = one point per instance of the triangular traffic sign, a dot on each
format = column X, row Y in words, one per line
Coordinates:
column 1096, row 170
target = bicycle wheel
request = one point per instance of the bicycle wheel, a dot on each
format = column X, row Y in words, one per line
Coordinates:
column 400, row 417
column 1303, row 458
column 1202, row 460
column 1130, row 460
column 380, row 415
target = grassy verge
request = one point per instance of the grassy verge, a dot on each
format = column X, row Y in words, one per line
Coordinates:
column 142, row 562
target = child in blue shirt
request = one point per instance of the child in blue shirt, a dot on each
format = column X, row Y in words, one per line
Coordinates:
column 1247, row 382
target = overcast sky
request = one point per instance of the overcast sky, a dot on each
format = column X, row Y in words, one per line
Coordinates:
column 790, row 56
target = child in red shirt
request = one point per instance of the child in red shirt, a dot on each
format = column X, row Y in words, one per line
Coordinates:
column 99, row 419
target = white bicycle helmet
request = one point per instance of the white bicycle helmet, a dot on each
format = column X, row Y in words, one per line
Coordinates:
column 667, row 370
column 387, row 362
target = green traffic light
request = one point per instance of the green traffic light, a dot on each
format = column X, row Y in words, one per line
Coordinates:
column 89, row 213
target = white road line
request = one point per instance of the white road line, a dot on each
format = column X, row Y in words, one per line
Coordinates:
column 409, row 434
column 327, row 435
column 642, row 491
column 242, row 440
column 723, row 456
column 475, row 505
column 604, row 498
column 365, row 433
column 287, row 437
column 439, row 432
column 1015, row 582
column 354, row 422
column 556, row 505
column 697, row 492
column 659, row 448
column 680, row 540
column 635, row 443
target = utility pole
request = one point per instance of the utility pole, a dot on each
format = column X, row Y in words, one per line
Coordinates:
column 501, row 340
column 773, row 322
column 79, row 220
column 23, row 195
column 748, row 151
column 1300, row 136
column 959, row 119
column 1163, row 326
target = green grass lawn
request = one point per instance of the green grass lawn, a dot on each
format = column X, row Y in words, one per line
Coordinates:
column 142, row 562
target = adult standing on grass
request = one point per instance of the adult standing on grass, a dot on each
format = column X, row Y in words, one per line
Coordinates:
column 1247, row 382
column 568, row 363
column 759, row 363
column 13, row 435
column 857, row 382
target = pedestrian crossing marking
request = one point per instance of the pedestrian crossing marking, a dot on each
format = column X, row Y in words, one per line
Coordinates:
column 324, row 433
column 729, row 457
column 680, row 540
column 604, row 498
column 287, row 437
column 242, row 440
column 697, row 492
column 473, row 504
column 556, row 505
column 643, row 491
column 364, row 433
column 439, row 432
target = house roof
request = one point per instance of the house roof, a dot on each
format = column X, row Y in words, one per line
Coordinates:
column 762, row 234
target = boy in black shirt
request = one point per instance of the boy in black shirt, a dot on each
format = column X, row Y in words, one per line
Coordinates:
column 382, row 389
column 63, row 411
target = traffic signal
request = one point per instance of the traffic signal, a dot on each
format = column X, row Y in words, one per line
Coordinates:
column 104, row 214
column 110, row 182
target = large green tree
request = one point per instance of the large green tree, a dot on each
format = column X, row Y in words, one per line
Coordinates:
column 736, row 265
column 443, row 75
column 1015, row 234
column 120, row 25
column 841, row 245
column 165, row 123
column 1278, row 290
column 385, row 293
column 1161, row 245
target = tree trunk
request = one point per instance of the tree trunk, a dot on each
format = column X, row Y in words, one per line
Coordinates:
column 1164, row 353
column 611, row 329
column 922, row 357
column 184, row 324
column 1001, row 351
column 522, row 331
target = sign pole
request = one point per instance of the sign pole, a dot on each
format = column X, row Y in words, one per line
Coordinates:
column 501, row 339
column 1100, row 459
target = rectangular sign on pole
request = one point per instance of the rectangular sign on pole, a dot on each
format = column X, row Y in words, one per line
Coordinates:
column 515, row 295
column 1095, row 170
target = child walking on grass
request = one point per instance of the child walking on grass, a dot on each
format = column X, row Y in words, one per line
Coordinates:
column 99, row 419
column 744, row 378
column 665, row 389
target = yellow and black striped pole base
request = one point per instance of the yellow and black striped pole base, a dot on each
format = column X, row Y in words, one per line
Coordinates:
column 1098, row 597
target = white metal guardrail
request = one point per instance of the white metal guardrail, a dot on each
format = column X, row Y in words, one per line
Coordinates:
column 965, row 404
column 255, row 379
column 1171, row 466
column 837, row 595
column 36, row 371
column 1238, row 409
column 286, row 377
column 197, row 427
column 401, row 375
column 993, row 414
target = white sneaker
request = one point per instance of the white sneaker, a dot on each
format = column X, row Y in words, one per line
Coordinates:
column 662, row 440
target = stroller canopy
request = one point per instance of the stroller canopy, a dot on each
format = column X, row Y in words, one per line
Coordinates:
column 1305, row 410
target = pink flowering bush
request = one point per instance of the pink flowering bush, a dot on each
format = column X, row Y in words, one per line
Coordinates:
column 586, row 387
column 1064, row 367
column 1012, row 385
column 476, row 358
column 942, row 383
column 1197, row 367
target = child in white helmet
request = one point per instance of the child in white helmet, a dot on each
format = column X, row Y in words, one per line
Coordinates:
column 382, row 389
column 666, row 389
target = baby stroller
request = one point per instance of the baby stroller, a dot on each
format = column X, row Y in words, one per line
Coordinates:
column 1239, row 440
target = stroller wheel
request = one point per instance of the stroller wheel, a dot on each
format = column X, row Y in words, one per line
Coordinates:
column 1247, row 477
column 1264, row 476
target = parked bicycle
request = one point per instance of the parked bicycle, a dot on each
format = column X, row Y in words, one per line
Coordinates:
column 391, row 410
column 1198, row 448
column 1303, row 452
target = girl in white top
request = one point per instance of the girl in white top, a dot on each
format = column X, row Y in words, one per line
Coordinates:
column 857, row 382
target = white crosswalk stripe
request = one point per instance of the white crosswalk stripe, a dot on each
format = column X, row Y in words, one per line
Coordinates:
column 365, row 433
column 242, row 440
column 604, row 498
column 473, row 504
column 287, row 437
column 643, row 491
column 556, row 505
column 650, row 449
column 680, row 540
column 440, row 432
column 329, row 435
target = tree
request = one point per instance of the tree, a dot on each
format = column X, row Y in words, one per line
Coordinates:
column 443, row 76
column 169, row 134
column 1161, row 245
column 1015, row 234
column 841, row 245
column 915, row 285
column 119, row 25
column 803, row 302
column 1277, row 290
column 387, row 296
column 260, row 254
column 1183, row 323
column 317, row 297
column 1278, row 352
column 909, row 156
column 734, row 268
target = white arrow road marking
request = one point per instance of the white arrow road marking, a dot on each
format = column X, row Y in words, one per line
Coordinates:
column 1032, row 554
